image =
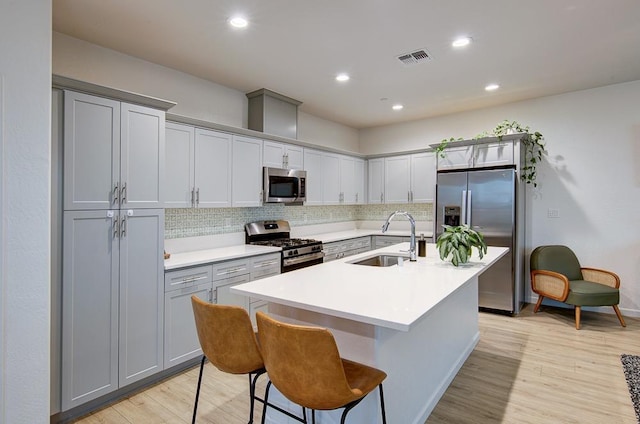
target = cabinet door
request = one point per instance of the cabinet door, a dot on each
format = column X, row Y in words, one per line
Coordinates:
column 212, row 182
column 331, row 179
column 179, row 165
column 91, row 152
column 397, row 179
column 315, row 174
column 493, row 154
column 141, row 294
column 460, row 157
column 90, row 307
column 347, row 180
column 224, row 295
column 246, row 180
column 359, row 181
column 376, row 181
column 141, row 157
column 180, row 336
column 273, row 155
column 423, row 177
column 294, row 157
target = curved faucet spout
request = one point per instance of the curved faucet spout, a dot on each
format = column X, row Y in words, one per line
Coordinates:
column 412, row 243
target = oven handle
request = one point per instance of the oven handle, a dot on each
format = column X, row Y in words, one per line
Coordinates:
column 302, row 258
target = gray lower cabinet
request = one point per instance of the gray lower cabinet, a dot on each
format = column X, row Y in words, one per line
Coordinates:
column 384, row 241
column 180, row 336
column 112, row 295
column 211, row 282
column 227, row 275
column 342, row 249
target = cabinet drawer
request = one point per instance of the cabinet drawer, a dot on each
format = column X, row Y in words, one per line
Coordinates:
column 229, row 269
column 183, row 278
column 265, row 266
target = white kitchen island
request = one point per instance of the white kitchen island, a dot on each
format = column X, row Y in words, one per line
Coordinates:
column 417, row 322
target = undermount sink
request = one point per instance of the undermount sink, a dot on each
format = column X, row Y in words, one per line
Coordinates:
column 384, row 259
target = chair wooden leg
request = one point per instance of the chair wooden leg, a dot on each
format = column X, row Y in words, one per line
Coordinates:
column 577, row 317
column 615, row 308
column 538, row 303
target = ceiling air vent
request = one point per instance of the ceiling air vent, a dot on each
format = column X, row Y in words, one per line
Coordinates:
column 413, row 58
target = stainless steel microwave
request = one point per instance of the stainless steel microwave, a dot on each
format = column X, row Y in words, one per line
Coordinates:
column 284, row 185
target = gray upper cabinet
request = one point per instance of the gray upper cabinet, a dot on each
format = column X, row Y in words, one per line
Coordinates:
column 313, row 166
column 375, row 181
column 113, row 300
column 279, row 155
column 113, row 152
column 478, row 155
column 246, row 168
column 141, row 156
column 179, row 166
column 91, row 152
column 198, row 167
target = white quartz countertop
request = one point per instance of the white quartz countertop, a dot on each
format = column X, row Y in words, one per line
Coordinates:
column 394, row 297
column 349, row 234
column 198, row 257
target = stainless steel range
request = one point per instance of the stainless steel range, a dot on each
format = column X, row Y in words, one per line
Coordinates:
column 296, row 253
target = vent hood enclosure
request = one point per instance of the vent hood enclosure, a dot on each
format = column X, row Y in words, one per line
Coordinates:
column 273, row 113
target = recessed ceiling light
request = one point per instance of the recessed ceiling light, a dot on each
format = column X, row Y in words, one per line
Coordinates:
column 238, row 22
column 461, row 42
column 397, row 107
column 342, row 77
column 492, row 87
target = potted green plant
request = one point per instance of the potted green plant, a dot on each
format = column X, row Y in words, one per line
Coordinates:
column 457, row 241
column 532, row 141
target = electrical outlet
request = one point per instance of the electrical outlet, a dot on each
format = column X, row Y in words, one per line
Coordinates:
column 553, row 213
column 227, row 222
column 305, row 217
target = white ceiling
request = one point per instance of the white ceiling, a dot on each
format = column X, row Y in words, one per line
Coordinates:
column 296, row 47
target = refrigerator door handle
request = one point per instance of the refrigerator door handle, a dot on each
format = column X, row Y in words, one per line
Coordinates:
column 463, row 214
column 469, row 208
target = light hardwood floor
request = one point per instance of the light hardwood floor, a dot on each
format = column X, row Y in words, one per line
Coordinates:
column 527, row 369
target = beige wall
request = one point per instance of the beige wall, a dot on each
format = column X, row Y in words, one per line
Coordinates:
column 195, row 97
column 591, row 175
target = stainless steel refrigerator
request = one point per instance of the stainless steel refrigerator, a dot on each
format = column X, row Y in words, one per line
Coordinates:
column 491, row 202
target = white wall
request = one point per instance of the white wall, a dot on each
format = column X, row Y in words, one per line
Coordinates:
column 25, row 71
column 195, row 97
column 592, row 173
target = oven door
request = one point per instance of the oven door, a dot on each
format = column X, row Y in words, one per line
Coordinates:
column 302, row 261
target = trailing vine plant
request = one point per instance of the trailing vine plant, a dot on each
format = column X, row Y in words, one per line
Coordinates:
column 533, row 142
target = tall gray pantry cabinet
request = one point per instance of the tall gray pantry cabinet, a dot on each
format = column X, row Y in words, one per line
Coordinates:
column 113, row 237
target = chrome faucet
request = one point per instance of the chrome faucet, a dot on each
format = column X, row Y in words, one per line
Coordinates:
column 412, row 243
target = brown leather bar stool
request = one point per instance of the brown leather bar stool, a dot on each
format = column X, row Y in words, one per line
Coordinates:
column 305, row 366
column 228, row 341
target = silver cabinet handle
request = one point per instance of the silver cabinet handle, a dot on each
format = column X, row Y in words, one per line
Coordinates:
column 356, row 197
column 116, row 227
column 123, row 227
column 198, row 197
column 408, row 196
column 193, row 197
column 116, row 190
column 123, row 193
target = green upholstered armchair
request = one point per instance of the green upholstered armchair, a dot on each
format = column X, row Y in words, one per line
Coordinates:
column 556, row 274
